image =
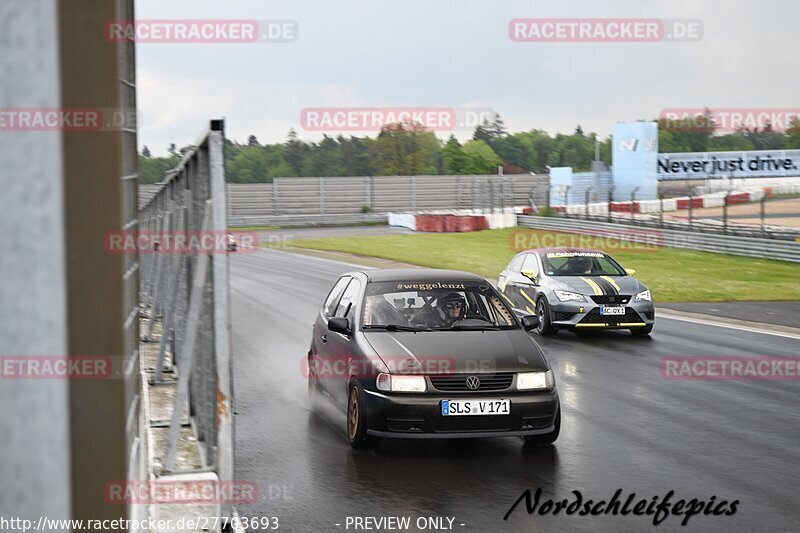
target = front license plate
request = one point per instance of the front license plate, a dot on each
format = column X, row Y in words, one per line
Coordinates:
column 475, row 407
column 605, row 310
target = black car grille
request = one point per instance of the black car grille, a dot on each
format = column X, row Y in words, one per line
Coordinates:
column 650, row 315
column 611, row 299
column 458, row 382
column 560, row 316
column 444, row 424
column 594, row 317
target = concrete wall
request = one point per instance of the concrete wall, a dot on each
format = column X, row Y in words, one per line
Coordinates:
column 34, row 424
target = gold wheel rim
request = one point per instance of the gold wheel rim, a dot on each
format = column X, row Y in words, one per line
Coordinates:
column 352, row 414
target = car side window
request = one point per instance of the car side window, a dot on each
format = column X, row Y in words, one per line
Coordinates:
column 347, row 304
column 530, row 263
column 333, row 298
column 516, row 263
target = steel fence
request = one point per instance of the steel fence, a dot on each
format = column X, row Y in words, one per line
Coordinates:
column 185, row 294
column 756, row 213
column 718, row 243
column 251, row 204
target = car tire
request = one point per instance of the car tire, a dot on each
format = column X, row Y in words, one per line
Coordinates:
column 356, row 423
column 545, row 326
column 547, row 438
column 642, row 332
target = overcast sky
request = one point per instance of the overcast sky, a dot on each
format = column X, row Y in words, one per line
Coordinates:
column 457, row 53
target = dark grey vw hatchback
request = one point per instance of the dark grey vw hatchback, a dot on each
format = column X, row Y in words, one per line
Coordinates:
column 419, row 353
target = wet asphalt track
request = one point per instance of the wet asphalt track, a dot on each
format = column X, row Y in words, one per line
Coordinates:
column 623, row 427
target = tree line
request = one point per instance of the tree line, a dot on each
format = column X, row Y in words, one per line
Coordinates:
column 410, row 149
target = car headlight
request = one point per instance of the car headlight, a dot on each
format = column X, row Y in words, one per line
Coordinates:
column 535, row 380
column 644, row 295
column 566, row 296
column 390, row 383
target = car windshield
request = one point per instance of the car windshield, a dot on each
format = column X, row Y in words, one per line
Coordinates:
column 580, row 264
column 435, row 305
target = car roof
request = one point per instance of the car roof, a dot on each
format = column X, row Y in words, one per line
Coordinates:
column 418, row 274
column 569, row 250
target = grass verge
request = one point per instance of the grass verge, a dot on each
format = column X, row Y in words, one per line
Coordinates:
column 672, row 274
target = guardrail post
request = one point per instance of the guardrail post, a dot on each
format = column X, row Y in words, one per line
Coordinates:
column 321, row 195
column 610, row 201
column 413, row 193
column 661, row 210
column 275, row 195
column 633, row 202
column 691, row 205
column 586, row 201
column 549, row 192
column 725, row 213
column 763, row 214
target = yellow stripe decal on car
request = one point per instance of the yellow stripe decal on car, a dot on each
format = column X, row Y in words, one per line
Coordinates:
column 633, row 324
column 531, row 311
column 527, row 297
column 595, row 287
column 611, row 281
column 591, row 325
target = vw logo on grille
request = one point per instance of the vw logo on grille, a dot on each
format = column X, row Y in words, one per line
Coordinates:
column 473, row 382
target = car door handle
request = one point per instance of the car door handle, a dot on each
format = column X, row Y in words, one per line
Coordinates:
column 324, row 339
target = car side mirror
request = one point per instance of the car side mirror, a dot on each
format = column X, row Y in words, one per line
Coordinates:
column 530, row 275
column 339, row 324
column 630, row 271
column 530, row 321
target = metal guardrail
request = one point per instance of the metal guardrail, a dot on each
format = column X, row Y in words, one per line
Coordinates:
column 339, row 219
column 716, row 243
column 184, row 291
column 694, row 225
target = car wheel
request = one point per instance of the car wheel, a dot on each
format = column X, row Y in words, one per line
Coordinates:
column 642, row 332
column 547, row 438
column 545, row 326
column 357, row 419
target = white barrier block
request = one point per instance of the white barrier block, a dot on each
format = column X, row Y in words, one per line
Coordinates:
column 670, row 204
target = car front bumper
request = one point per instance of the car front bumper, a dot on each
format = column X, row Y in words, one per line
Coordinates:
column 586, row 315
column 418, row 416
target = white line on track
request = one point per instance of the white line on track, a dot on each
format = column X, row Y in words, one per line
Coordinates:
column 705, row 322
column 659, row 314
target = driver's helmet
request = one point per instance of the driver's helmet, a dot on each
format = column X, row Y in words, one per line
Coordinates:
column 582, row 264
column 452, row 307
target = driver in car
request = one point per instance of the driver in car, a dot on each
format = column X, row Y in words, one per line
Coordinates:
column 582, row 265
column 452, row 308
